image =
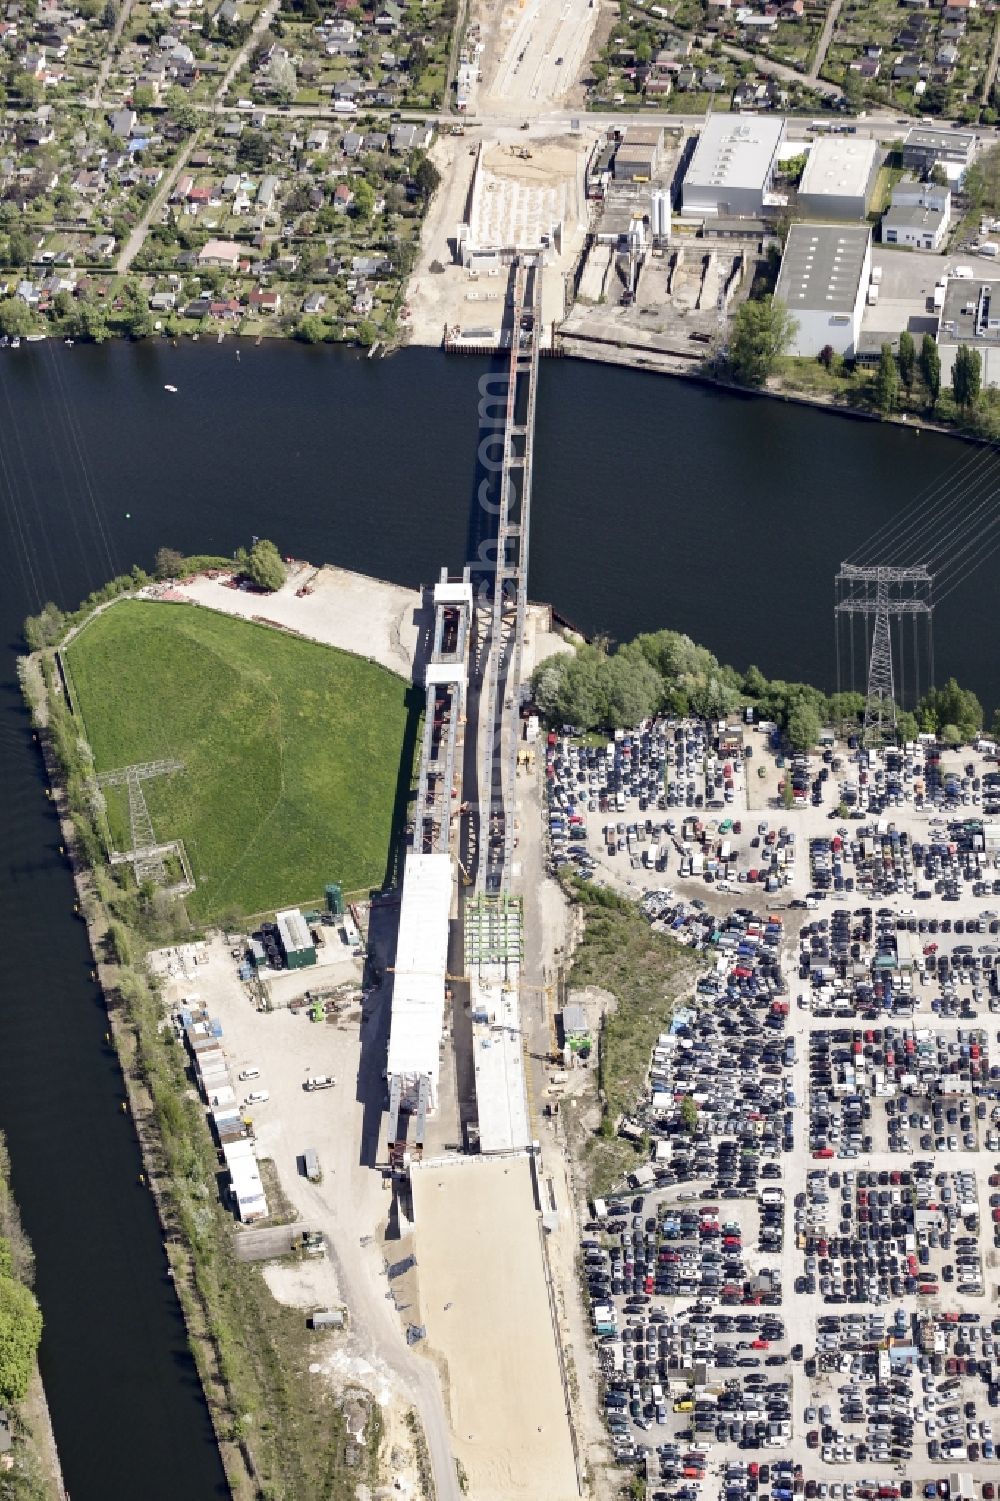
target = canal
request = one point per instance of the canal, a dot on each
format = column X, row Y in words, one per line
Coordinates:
column 656, row 503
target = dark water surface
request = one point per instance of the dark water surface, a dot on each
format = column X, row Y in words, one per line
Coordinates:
column 655, row 503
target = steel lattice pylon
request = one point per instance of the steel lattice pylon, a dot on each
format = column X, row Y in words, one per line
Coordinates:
column 882, row 598
column 145, row 854
column 880, row 701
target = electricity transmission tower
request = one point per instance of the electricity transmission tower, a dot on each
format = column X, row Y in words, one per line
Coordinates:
column 880, row 595
column 145, row 854
column 880, row 701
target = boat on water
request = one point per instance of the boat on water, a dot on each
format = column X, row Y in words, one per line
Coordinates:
column 15, row 342
column 171, row 389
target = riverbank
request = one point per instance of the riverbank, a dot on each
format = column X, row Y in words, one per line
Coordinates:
column 250, row 1353
column 29, row 1464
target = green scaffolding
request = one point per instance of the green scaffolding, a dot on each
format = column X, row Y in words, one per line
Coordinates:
column 493, row 931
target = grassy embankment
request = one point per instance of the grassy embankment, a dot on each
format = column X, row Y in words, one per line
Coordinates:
column 647, row 973
column 293, row 754
column 291, row 750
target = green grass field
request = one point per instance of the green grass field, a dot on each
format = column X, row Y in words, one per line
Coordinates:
column 292, row 750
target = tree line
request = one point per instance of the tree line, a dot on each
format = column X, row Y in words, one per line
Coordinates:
column 598, row 686
column 263, row 566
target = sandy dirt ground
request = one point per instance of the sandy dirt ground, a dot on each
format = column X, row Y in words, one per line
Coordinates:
column 350, row 1205
column 366, row 616
column 450, row 296
column 484, row 1302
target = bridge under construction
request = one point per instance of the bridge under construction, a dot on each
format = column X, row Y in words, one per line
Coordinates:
column 460, row 866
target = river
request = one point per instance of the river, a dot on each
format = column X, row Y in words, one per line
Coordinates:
column 656, row 502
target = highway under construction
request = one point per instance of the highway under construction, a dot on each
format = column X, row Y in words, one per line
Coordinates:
column 458, row 900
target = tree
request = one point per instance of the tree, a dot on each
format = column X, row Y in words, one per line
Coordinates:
column 143, row 96
column 264, row 566
column 951, row 706
column 168, row 563
column 254, row 148
column 886, row 382
column 310, row 329
column 16, row 318
column 826, row 356
column 803, row 725
column 689, row 1114
column 18, row 249
column 762, row 331
column 930, row 367
column 426, row 178
column 180, row 109
column 366, row 333
column 939, row 176
column 91, row 322
column 20, row 1333
column 907, row 358
column 363, row 203
column 966, row 376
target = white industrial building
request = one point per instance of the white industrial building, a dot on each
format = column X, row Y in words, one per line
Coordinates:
column 417, row 1018
column 917, row 216
column 970, row 315
column 732, row 168
column 839, row 176
column 823, row 281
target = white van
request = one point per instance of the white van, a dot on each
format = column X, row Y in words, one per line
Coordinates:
column 258, row 1097
column 249, row 1073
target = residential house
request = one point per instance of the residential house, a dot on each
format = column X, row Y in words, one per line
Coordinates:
column 220, row 253
column 713, row 81
column 163, row 302
column 104, row 246
column 957, row 10
column 123, row 122
column 868, row 67
column 343, row 197
column 262, row 300
column 314, row 303
column 267, row 192
column 353, row 143
column 317, row 139
column 370, row 265
column 226, row 310
column 910, row 65
column 388, row 18
column 363, row 301
column 376, row 141
column 411, row 137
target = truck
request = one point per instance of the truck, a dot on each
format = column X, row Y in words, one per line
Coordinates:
column 319, row 1081
column 650, row 856
column 310, row 1162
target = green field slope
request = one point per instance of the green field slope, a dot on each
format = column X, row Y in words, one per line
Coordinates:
column 292, row 750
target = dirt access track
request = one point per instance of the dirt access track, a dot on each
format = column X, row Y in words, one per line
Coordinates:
column 485, row 1303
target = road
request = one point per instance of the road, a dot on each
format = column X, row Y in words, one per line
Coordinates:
column 826, row 38
column 137, row 238
column 112, row 49
column 261, row 24
column 542, row 58
column 780, row 70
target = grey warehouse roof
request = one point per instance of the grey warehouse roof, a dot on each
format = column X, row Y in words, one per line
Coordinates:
column 735, row 152
column 971, row 312
column 912, row 216
column 940, row 140
column 821, row 267
column 839, row 165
